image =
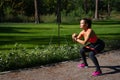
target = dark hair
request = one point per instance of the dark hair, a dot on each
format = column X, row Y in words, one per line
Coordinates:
column 88, row 21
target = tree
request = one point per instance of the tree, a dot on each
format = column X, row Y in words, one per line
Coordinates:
column 96, row 9
column 86, row 6
column 36, row 12
column 108, row 7
column 1, row 10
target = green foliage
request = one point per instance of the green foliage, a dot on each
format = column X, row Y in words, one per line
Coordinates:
column 30, row 35
column 20, row 57
column 112, row 44
column 49, row 18
column 75, row 15
column 11, row 10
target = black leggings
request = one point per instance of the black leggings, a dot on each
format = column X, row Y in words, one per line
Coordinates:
column 98, row 46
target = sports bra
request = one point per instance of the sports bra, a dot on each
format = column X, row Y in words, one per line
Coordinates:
column 93, row 39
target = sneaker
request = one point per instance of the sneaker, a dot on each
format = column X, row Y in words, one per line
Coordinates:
column 82, row 66
column 96, row 73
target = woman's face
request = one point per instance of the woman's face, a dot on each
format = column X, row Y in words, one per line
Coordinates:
column 83, row 25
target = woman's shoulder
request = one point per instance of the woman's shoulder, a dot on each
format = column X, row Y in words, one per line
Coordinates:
column 90, row 29
column 82, row 32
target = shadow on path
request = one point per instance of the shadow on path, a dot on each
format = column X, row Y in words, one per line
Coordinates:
column 115, row 69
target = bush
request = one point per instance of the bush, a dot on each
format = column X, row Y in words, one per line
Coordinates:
column 75, row 15
column 17, row 18
column 49, row 18
column 112, row 44
column 20, row 57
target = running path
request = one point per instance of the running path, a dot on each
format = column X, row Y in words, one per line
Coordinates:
column 109, row 61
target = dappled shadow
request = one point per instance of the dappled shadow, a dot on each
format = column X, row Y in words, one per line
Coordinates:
column 117, row 34
column 99, row 22
column 11, row 30
column 46, row 40
column 33, row 40
column 17, row 29
column 106, row 22
column 10, row 37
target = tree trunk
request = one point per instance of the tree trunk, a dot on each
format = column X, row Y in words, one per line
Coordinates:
column 36, row 12
column 86, row 6
column 108, row 9
column 96, row 10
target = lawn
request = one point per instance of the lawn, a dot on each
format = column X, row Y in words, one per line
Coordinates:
column 31, row 35
column 35, row 39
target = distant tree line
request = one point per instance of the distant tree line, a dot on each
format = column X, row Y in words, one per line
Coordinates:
column 27, row 10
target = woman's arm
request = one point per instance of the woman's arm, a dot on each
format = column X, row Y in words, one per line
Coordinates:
column 77, row 36
column 80, row 36
column 86, row 37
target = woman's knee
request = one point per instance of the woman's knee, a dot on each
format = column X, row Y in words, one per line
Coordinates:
column 91, row 54
column 82, row 51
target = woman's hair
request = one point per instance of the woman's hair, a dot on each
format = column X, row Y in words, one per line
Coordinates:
column 88, row 21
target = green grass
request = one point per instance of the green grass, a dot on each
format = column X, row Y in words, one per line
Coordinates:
column 32, row 35
column 38, row 36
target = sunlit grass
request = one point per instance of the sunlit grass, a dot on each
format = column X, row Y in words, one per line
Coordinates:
column 31, row 35
column 37, row 44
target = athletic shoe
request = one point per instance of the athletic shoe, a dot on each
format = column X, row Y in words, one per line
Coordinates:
column 82, row 66
column 96, row 73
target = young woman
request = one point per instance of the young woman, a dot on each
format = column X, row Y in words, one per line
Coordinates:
column 95, row 44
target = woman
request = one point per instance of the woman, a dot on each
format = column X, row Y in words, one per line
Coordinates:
column 95, row 44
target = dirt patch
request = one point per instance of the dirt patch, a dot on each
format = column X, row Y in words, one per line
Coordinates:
column 109, row 62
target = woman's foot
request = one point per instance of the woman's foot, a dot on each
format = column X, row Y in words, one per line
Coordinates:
column 82, row 65
column 96, row 73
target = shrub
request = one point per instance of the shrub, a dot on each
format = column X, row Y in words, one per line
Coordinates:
column 112, row 44
column 49, row 18
column 75, row 15
column 20, row 57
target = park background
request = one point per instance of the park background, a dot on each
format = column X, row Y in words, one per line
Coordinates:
column 37, row 32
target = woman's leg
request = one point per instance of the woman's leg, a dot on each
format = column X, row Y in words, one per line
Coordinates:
column 95, row 61
column 83, row 56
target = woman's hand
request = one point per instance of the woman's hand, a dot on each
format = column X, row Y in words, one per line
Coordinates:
column 74, row 36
